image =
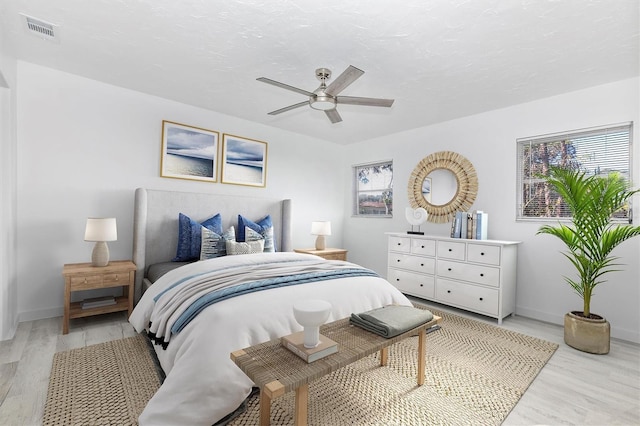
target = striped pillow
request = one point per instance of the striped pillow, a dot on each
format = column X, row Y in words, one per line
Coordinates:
column 213, row 244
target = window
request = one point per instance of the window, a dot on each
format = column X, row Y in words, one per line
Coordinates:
column 597, row 151
column 374, row 189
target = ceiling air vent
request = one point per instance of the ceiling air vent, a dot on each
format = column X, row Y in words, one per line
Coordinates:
column 41, row 28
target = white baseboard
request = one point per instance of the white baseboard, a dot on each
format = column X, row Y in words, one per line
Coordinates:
column 40, row 314
column 616, row 332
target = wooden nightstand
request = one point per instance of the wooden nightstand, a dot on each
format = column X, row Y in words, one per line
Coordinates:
column 83, row 276
column 329, row 254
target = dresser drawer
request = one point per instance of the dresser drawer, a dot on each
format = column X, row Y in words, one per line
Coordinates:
column 401, row 244
column 425, row 265
column 486, row 275
column 412, row 283
column 451, row 250
column 423, row 247
column 467, row 296
column 481, row 253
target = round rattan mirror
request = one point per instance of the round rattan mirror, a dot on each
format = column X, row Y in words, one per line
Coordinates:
column 466, row 185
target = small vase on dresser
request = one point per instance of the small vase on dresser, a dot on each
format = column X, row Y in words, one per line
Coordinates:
column 475, row 275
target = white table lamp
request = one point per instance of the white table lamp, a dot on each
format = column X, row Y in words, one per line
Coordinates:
column 100, row 230
column 320, row 229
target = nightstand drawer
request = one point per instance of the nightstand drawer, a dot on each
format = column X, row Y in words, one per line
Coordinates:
column 86, row 282
column 335, row 256
column 116, row 279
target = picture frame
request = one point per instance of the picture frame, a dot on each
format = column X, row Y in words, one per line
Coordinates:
column 189, row 152
column 244, row 161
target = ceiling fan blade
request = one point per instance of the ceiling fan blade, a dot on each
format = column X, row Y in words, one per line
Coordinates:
column 284, row 86
column 354, row 100
column 333, row 115
column 289, row 108
column 349, row 75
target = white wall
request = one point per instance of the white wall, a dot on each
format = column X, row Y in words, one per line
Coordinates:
column 489, row 141
column 8, row 189
column 83, row 148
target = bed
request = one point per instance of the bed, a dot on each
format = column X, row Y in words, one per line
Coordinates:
column 202, row 384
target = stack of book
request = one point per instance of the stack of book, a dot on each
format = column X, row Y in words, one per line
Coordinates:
column 97, row 302
column 294, row 342
column 470, row 225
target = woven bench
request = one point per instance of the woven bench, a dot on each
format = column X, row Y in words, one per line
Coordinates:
column 276, row 370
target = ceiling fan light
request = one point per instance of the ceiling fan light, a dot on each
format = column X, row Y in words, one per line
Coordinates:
column 323, row 103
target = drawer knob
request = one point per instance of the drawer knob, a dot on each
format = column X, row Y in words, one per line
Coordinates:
column 85, row 280
column 116, row 277
column 450, row 249
column 398, row 260
column 421, row 285
column 448, row 291
column 481, row 299
column 482, row 254
column 399, row 244
column 448, row 269
column 397, row 279
column 482, row 275
column 421, row 246
column 422, row 264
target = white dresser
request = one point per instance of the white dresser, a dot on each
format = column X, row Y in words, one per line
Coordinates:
column 476, row 275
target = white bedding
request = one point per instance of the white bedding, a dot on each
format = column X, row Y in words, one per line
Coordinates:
column 202, row 384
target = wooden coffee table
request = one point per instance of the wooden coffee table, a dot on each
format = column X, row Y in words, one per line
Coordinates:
column 276, row 370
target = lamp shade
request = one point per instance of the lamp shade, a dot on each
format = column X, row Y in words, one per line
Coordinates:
column 321, row 228
column 101, row 229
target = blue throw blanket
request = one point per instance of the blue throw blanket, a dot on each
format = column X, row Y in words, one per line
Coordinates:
column 188, row 296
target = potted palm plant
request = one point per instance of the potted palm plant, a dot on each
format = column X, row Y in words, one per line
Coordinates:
column 590, row 239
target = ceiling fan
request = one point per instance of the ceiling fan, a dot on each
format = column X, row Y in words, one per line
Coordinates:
column 325, row 98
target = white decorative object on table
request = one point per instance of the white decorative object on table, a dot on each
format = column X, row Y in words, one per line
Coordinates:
column 311, row 314
column 415, row 217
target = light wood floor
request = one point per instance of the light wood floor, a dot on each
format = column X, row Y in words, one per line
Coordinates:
column 574, row 388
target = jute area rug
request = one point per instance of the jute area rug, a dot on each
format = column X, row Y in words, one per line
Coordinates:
column 475, row 374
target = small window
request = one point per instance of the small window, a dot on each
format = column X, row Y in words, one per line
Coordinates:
column 598, row 151
column 374, row 189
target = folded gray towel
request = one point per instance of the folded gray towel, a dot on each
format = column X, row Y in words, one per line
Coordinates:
column 389, row 321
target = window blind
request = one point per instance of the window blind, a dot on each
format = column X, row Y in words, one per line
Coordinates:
column 596, row 151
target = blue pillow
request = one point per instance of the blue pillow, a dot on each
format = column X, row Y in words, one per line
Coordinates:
column 264, row 227
column 190, row 236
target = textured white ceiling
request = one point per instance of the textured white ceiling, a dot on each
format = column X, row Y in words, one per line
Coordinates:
column 439, row 59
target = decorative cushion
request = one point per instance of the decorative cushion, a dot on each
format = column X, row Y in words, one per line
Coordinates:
column 264, row 227
column 213, row 244
column 190, row 236
column 249, row 247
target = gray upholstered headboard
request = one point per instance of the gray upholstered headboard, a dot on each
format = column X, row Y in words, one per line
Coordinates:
column 155, row 221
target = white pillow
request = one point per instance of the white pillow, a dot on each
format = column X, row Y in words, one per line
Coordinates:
column 249, row 247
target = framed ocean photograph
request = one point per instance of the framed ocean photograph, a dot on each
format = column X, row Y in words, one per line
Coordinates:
column 244, row 161
column 189, row 152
